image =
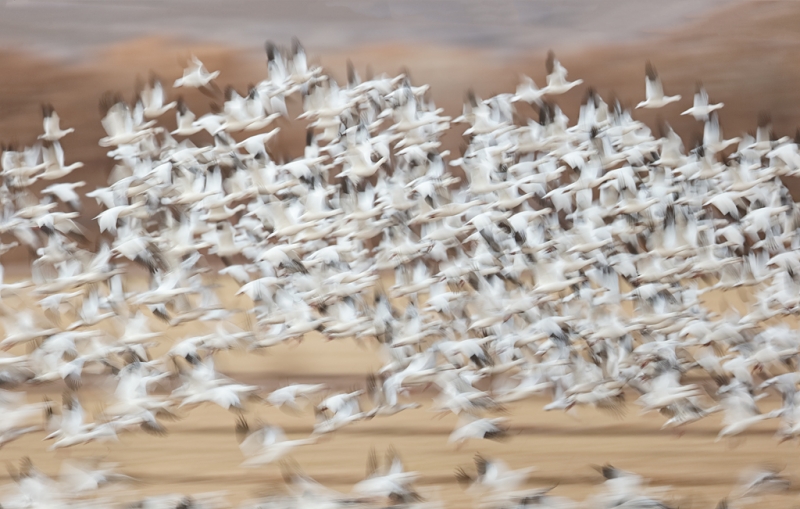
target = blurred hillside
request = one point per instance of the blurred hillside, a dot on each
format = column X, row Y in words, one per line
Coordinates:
column 744, row 54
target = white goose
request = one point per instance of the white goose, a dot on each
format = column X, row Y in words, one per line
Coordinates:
column 741, row 411
column 54, row 168
column 557, row 77
column 196, row 76
column 119, row 125
column 528, row 92
column 291, row 395
column 654, row 90
column 494, row 476
column 153, row 99
column 52, row 129
column 267, row 444
column 472, row 428
column 72, row 430
column 701, row 108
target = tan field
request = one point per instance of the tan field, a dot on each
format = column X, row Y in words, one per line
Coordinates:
column 201, row 454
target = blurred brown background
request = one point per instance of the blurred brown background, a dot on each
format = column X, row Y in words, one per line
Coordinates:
column 68, row 52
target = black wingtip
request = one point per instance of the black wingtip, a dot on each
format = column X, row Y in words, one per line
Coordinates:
column 154, row 79
column 25, row 466
column 68, row 400
column 550, row 63
column 650, row 70
column 351, row 73
column 608, row 471
column 764, row 119
column 74, row 382
column 297, row 47
column 473, row 100
column 480, row 463
column 181, row 106
column 271, row 50
column 462, row 477
column 498, row 435
column 108, row 100
column 372, row 462
column 591, row 95
column 229, row 91
column 372, row 383
column 154, row 428
column 546, row 113
column 242, row 428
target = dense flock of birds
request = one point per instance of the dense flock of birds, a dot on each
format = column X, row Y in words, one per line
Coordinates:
column 550, row 259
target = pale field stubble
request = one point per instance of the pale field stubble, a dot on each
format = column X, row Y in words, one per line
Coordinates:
column 200, row 453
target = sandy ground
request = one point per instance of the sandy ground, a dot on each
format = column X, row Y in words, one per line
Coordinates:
column 746, row 56
column 201, row 454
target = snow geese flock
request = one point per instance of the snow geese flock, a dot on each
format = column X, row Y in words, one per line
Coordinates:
column 553, row 264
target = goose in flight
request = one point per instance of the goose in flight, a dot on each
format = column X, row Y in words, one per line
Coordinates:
column 741, row 411
column 654, row 90
column 65, row 192
column 528, row 92
column 493, row 475
column 203, row 385
column 299, row 70
column 119, row 124
column 713, row 141
column 291, row 395
column 72, row 429
column 52, row 129
column 390, row 482
column 20, row 418
column 22, row 328
column 478, row 428
column 186, row 125
column 701, row 108
column 384, row 394
column 197, row 76
column 761, row 481
column 153, row 99
column 339, row 410
column 54, row 168
column 83, row 477
column 266, row 444
column 557, row 77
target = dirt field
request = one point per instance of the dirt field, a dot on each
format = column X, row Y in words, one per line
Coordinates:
column 747, row 57
column 201, row 454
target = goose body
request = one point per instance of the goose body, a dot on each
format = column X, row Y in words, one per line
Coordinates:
column 655, row 97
